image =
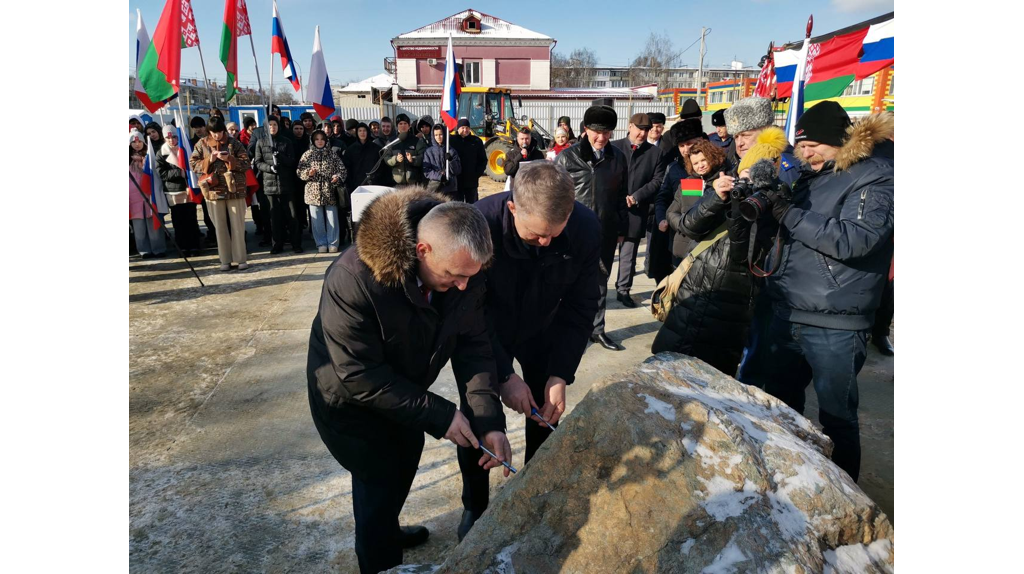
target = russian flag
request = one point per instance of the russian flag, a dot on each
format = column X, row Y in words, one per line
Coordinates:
column 785, row 71
column 279, row 45
column 796, row 100
column 318, row 90
column 184, row 154
column 450, row 92
column 152, row 184
column 879, row 51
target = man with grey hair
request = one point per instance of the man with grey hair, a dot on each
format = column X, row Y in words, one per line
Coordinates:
column 542, row 295
column 394, row 309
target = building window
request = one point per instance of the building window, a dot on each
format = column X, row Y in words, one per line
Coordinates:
column 604, row 73
column 619, row 84
column 471, row 73
column 861, row 87
column 716, row 98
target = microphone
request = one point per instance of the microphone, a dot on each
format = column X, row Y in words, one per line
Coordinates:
column 391, row 144
column 762, row 174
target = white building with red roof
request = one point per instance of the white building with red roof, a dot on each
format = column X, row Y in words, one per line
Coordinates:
column 494, row 53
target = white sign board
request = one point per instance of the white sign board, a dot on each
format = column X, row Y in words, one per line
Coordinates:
column 363, row 195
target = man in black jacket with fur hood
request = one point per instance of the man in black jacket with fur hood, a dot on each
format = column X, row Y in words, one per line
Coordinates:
column 834, row 263
column 600, row 174
column 394, row 309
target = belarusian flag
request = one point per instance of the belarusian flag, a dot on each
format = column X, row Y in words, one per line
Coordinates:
column 831, row 65
column 691, row 187
column 161, row 67
column 236, row 25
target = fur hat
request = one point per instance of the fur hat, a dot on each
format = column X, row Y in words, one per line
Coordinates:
column 825, row 122
column 690, row 109
column 686, row 130
column 749, row 114
column 769, row 145
column 718, row 118
column 600, row 118
column 656, row 117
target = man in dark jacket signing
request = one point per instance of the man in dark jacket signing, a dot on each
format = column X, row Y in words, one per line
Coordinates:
column 646, row 172
column 600, row 175
column 834, row 264
column 542, row 295
column 394, row 310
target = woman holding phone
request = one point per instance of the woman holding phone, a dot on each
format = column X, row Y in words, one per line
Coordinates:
column 220, row 162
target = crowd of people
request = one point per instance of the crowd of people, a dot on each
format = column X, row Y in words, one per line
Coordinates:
column 774, row 264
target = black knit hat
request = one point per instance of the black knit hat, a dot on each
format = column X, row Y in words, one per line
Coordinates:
column 690, row 109
column 463, row 122
column 656, row 117
column 565, row 120
column 718, row 118
column 600, row 118
column 350, row 124
column 686, row 130
column 306, row 116
column 825, row 123
column 402, row 118
column 197, row 122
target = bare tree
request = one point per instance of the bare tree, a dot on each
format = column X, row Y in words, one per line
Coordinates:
column 574, row 70
column 284, row 95
column 652, row 64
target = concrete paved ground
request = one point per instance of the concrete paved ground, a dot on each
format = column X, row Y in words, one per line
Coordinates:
column 227, row 472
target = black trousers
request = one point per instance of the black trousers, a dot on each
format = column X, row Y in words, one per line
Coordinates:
column 383, row 461
column 607, row 256
column 186, row 226
column 262, row 210
column 883, row 316
column 283, row 221
column 475, row 485
column 470, row 191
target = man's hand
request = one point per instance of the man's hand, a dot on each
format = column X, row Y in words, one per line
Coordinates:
column 780, row 197
column 554, row 400
column 517, row 396
column 663, row 225
column 723, row 185
column 630, row 201
column 496, row 442
column 448, row 156
column 273, row 169
column 335, row 178
column 400, row 158
column 408, row 156
column 312, row 171
column 460, row 433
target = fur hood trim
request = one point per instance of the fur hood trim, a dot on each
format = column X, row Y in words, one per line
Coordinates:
column 862, row 137
column 386, row 240
column 769, row 145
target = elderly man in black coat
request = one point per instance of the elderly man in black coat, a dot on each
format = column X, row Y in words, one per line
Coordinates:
column 646, row 172
column 394, row 310
column 542, row 295
column 600, row 175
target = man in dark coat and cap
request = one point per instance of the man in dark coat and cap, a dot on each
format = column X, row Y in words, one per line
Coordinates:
column 395, row 308
column 646, row 172
column 600, row 174
column 474, row 161
column 721, row 137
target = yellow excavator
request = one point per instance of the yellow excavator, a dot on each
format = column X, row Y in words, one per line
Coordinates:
column 492, row 118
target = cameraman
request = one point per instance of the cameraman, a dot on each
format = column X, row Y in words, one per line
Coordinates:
column 836, row 248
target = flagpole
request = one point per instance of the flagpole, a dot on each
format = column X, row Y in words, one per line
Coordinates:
column 209, row 93
column 271, row 102
column 164, row 227
column 253, row 46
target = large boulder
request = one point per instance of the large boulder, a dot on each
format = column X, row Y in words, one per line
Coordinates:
column 676, row 467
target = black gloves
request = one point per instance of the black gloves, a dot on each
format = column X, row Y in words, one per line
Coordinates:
column 781, row 196
column 448, row 156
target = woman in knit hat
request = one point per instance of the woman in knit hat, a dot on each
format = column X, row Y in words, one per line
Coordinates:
column 183, row 210
column 561, row 143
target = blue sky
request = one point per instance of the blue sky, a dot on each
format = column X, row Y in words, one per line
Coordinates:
column 356, row 34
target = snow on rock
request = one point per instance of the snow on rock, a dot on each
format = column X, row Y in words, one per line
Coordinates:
column 725, row 479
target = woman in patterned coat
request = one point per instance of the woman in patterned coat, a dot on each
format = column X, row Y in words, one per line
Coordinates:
column 324, row 174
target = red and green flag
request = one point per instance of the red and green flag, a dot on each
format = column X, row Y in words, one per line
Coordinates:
column 691, row 187
column 160, row 70
column 236, row 25
column 832, row 65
